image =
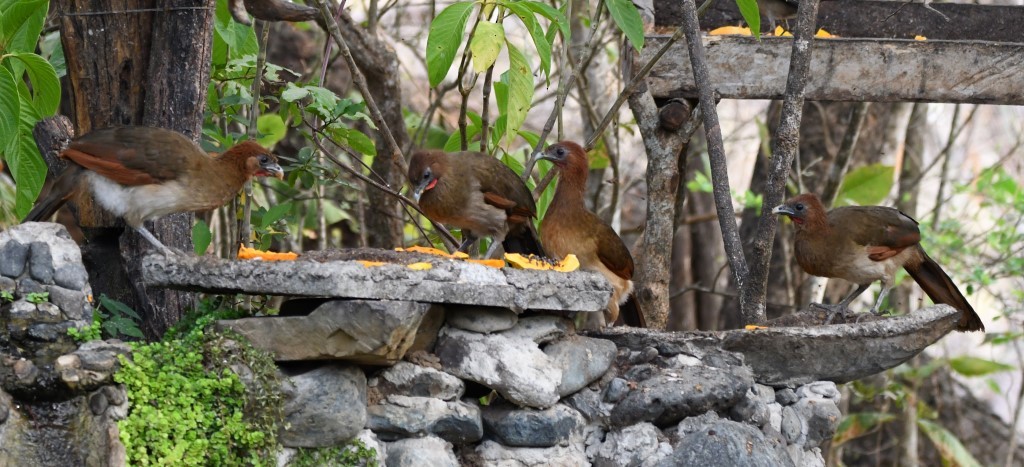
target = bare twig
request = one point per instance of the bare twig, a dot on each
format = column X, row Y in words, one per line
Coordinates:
column 842, row 162
column 484, row 114
column 245, row 223
column 753, row 287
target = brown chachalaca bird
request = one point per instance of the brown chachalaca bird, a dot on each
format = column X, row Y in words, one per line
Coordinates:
column 569, row 227
column 863, row 244
column 478, row 194
column 775, row 10
column 142, row 173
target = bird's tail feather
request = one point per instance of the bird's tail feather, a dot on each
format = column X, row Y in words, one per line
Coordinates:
column 61, row 191
column 940, row 288
column 630, row 313
column 524, row 241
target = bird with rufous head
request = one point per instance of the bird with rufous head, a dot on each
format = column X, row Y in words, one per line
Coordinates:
column 142, row 173
column 864, row 244
column 569, row 227
column 478, row 194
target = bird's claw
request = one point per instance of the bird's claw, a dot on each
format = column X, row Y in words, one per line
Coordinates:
column 831, row 311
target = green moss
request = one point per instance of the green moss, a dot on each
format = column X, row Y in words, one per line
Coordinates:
column 188, row 407
column 355, row 454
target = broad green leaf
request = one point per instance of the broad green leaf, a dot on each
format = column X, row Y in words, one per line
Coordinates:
column 362, row 143
column 540, row 42
column 444, row 39
column 28, row 169
column 950, row 448
column 293, row 93
column 627, row 18
column 520, row 91
column 858, row 424
column 513, row 163
column 10, row 106
column 21, row 22
column 454, row 142
column 201, row 237
column 973, row 366
column 272, row 129
column 557, row 17
column 866, row 185
column 45, row 84
column 53, row 51
column 274, row 214
column 486, row 45
column 748, row 8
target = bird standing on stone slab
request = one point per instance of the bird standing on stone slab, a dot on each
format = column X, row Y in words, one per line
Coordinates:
column 774, row 10
column 569, row 228
column 142, row 173
column 478, row 194
column 863, row 244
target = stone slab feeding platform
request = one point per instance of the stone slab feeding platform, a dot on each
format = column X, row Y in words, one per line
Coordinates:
column 343, row 309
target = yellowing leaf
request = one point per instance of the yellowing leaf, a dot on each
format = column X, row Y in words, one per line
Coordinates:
column 729, row 31
column 419, row 266
column 486, row 44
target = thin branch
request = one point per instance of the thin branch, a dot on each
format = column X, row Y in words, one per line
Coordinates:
column 839, row 167
column 484, row 113
column 245, row 223
column 945, row 156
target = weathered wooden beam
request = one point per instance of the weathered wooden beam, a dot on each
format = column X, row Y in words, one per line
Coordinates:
column 860, row 70
column 881, row 19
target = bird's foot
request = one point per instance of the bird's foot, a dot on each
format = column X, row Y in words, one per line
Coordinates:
column 831, row 311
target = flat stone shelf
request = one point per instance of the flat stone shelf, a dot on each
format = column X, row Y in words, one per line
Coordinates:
column 447, row 281
column 792, row 356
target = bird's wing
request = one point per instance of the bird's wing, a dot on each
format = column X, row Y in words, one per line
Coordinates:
column 502, row 188
column 132, row 155
column 885, row 232
column 612, row 252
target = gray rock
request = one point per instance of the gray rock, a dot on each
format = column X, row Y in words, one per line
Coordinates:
column 428, row 451
column 27, row 286
column 403, row 416
column 588, row 402
column 446, row 281
column 774, row 418
column 582, row 360
column 417, row 381
column 48, row 332
column 373, row 332
column 92, row 365
column 22, row 310
column 50, row 311
column 98, row 402
column 805, row 457
column 493, row 453
column 5, row 406
column 676, row 393
column 753, row 407
column 691, row 425
column 819, row 390
column 73, row 303
column 13, row 256
column 540, row 329
column 616, row 390
column 325, row 406
column 480, row 318
column 637, row 445
column 792, row 425
column 786, row 396
column 531, row 428
column 371, row 441
column 727, row 443
column 515, row 367
column 8, row 285
column 818, row 418
column 41, row 263
column 71, row 276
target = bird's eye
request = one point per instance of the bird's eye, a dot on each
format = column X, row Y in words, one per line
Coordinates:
column 426, row 174
column 799, row 206
column 264, row 159
column 560, row 151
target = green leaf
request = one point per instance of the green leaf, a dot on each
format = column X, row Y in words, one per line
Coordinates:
column 201, row 237
column 557, row 17
column 540, row 42
column 627, row 18
column 858, row 424
column 948, row 445
column 53, row 51
column 10, row 106
column 28, row 169
column 486, row 45
column 444, row 39
column 520, row 91
column 274, row 214
column 21, row 22
column 865, row 186
column 973, row 366
column 272, row 129
column 748, row 8
column 45, row 84
column 293, row 93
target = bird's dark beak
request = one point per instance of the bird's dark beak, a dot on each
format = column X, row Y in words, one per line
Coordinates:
column 422, row 187
column 783, row 209
column 271, row 169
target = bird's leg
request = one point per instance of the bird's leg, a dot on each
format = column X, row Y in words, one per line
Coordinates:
column 881, row 296
column 491, row 249
column 843, row 306
column 156, row 243
column 467, row 241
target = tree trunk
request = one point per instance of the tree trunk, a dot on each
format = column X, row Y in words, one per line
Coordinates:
column 150, row 68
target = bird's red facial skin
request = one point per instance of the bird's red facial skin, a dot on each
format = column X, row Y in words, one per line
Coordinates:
column 796, row 220
column 431, row 185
